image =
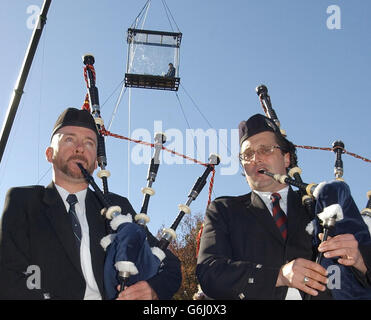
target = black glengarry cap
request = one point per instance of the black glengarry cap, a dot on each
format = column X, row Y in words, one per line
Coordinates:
column 77, row 118
column 254, row 125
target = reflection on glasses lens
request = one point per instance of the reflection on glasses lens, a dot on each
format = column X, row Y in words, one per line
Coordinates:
column 262, row 150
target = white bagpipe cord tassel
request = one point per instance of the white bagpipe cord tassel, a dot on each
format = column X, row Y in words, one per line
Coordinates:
column 126, row 267
column 107, row 240
column 120, row 219
column 333, row 211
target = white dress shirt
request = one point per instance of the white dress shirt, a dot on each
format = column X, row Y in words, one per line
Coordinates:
column 292, row 293
column 91, row 291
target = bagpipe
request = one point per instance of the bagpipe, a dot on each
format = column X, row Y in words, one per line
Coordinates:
column 333, row 210
column 129, row 256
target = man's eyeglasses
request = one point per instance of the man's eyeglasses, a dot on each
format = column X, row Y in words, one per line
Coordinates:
column 262, row 150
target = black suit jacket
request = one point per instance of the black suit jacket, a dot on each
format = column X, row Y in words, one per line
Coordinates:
column 36, row 231
column 242, row 250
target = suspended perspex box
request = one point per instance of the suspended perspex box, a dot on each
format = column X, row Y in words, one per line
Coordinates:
column 153, row 59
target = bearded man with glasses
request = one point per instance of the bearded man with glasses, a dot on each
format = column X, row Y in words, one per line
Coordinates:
column 255, row 246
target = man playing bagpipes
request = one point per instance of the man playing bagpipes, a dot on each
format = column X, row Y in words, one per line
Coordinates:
column 54, row 233
column 256, row 246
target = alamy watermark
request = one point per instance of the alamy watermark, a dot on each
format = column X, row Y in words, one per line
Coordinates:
column 33, row 274
column 33, row 281
column 194, row 143
column 33, row 11
column 334, row 277
column 333, row 21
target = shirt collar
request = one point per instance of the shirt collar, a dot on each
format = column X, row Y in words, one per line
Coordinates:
column 267, row 195
column 266, row 198
column 81, row 195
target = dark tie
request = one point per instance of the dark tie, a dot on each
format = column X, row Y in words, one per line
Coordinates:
column 278, row 215
column 72, row 200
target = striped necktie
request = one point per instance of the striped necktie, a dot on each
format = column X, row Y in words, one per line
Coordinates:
column 279, row 216
column 72, row 200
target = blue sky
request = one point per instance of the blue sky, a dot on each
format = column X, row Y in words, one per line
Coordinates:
column 318, row 79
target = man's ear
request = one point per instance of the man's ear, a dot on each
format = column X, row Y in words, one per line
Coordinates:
column 49, row 154
column 287, row 159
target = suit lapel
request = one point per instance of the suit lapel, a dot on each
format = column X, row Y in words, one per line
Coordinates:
column 97, row 231
column 262, row 214
column 61, row 222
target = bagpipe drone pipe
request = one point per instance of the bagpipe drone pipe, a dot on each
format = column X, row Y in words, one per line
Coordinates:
column 334, row 212
column 129, row 256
